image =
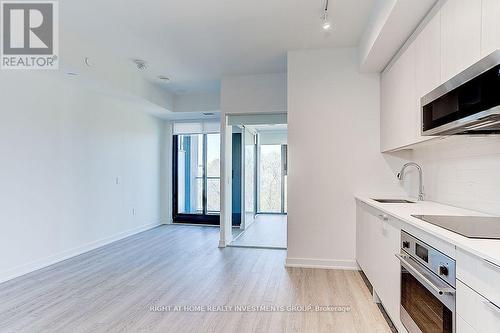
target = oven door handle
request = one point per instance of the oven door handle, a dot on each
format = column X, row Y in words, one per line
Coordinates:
column 406, row 264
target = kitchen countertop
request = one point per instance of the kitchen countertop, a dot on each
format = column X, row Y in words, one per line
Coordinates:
column 485, row 248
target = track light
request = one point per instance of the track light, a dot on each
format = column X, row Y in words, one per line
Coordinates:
column 326, row 23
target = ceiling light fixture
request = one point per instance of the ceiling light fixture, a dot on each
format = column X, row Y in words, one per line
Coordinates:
column 326, row 23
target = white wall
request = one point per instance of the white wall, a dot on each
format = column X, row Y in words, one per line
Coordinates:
column 333, row 141
column 262, row 93
column 63, row 147
column 461, row 171
column 199, row 102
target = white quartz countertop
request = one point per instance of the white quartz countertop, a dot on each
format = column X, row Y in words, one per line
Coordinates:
column 484, row 248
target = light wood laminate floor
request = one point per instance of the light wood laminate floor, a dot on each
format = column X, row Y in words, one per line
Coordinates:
column 268, row 230
column 113, row 288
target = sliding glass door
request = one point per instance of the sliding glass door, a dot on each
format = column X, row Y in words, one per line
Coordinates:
column 196, row 178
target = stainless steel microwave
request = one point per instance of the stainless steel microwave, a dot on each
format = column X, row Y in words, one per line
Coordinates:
column 469, row 103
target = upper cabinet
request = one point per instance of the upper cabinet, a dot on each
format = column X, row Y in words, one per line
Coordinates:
column 398, row 100
column 457, row 35
column 427, row 67
column 460, row 36
column 428, row 57
column 490, row 27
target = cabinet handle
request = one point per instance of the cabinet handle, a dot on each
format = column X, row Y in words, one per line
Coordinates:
column 492, row 306
column 492, row 264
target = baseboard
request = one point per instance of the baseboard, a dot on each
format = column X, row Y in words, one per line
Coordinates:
column 42, row 263
column 321, row 263
column 166, row 221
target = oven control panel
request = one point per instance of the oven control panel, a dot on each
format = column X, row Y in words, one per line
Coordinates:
column 434, row 260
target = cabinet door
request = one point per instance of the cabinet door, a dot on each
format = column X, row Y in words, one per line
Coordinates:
column 388, row 268
column 388, row 126
column 399, row 109
column 480, row 313
column 479, row 274
column 362, row 239
column 464, row 327
column 428, row 57
column 427, row 66
column 460, row 36
column 365, row 242
column 378, row 238
column 490, row 29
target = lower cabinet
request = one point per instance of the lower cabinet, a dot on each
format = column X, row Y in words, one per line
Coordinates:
column 481, row 275
column 378, row 238
column 478, row 314
column 377, row 241
column 463, row 326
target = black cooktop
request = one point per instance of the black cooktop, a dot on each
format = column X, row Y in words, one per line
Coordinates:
column 469, row 226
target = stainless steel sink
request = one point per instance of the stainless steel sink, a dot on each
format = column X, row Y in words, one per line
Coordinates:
column 393, row 201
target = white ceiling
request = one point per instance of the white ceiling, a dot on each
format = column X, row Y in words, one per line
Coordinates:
column 196, row 42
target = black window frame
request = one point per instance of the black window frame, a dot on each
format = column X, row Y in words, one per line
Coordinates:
column 206, row 219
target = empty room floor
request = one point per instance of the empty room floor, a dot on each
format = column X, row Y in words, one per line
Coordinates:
column 115, row 289
column 268, row 230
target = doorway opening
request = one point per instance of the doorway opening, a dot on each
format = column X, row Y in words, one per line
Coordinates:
column 259, row 174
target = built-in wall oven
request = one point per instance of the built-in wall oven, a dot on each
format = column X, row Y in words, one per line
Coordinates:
column 427, row 287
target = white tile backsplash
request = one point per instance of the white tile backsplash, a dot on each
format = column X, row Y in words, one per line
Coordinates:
column 461, row 171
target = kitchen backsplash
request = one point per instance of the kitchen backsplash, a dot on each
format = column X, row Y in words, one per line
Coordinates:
column 461, row 171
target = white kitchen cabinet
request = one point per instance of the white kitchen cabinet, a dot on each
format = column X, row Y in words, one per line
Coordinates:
column 387, row 236
column 427, row 66
column 428, row 57
column 460, row 36
column 451, row 41
column 490, row 27
column 399, row 108
column 479, row 274
column 463, row 326
column 389, row 133
column 481, row 315
column 363, row 239
column 377, row 241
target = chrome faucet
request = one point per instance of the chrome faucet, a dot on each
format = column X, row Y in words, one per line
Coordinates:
column 401, row 176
